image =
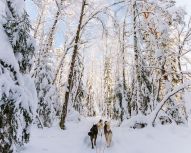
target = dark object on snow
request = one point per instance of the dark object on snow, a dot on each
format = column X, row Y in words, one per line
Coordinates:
column 93, row 135
column 139, row 125
column 165, row 120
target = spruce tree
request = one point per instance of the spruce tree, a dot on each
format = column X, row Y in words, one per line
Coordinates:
column 48, row 94
column 18, row 93
column 18, row 28
column 78, row 91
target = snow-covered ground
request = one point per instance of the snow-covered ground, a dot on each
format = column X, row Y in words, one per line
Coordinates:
column 163, row 139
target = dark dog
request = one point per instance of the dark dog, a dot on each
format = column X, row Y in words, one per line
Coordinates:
column 93, row 135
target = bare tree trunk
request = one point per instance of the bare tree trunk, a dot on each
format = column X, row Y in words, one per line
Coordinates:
column 124, row 76
column 123, row 53
column 60, row 66
column 39, row 22
column 52, row 31
column 137, row 59
column 69, row 86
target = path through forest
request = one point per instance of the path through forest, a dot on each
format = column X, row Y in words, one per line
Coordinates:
column 75, row 140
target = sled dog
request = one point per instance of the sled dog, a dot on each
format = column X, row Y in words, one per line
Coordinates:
column 93, row 135
column 107, row 133
column 100, row 127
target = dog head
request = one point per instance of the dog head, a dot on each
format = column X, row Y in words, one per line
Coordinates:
column 100, row 121
column 107, row 126
column 94, row 126
column 94, row 129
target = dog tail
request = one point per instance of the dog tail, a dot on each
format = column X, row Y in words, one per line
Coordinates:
column 89, row 133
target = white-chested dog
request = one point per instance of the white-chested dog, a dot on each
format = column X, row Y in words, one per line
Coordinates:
column 108, row 133
column 100, row 127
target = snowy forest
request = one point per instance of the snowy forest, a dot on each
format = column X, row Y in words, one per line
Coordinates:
column 65, row 65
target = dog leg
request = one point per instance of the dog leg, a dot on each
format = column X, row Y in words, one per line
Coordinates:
column 110, row 140
column 92, row 143
column 106, row 139
column 95, row 140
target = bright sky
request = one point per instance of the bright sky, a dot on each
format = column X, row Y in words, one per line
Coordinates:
column 31, row 9
column 186, row 4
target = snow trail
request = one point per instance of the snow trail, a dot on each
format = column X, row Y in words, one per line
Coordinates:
column 75, row 139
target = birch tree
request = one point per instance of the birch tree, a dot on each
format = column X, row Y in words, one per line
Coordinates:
column 71, row 69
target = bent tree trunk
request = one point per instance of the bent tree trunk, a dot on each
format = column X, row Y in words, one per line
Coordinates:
column 70, row 77
column 53, row 28
column 155, row 113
